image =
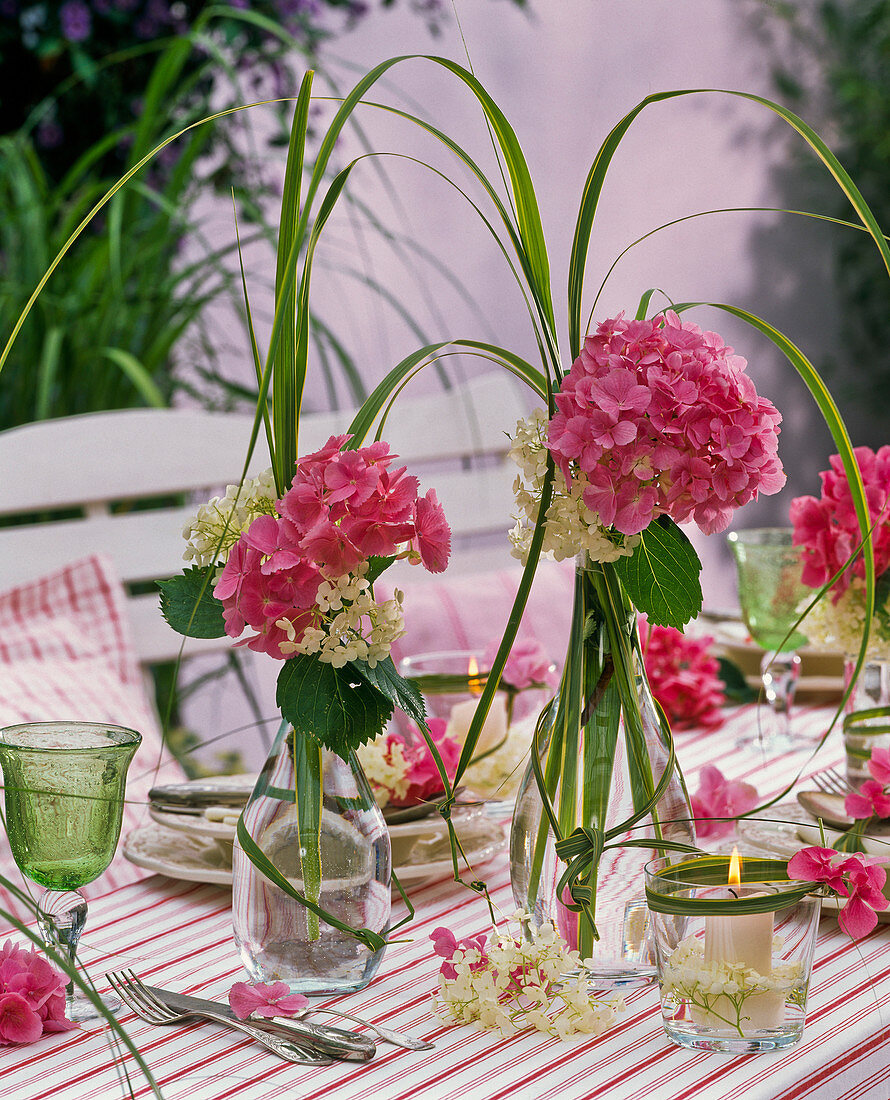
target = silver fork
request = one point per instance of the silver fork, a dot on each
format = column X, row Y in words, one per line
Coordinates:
column 385, row 1034
column 830, row 781
column 147, row 1007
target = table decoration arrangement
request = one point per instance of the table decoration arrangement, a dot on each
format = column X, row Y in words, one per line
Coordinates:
column 654, row 423
column 735, row 941
column 828, row 534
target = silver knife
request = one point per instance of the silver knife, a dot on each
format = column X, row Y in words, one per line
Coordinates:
column 347, row 1046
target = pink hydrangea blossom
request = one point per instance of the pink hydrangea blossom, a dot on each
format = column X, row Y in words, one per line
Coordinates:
column 827, row 528
column 32, row 996
column 869, row 801
column 718, row 797
column 858, row 878
column 342, row 508
column 879, row 765
column 422, row 775
column 445, row 944
column 261, row 999
column 684, row 676
column 527, row 664
column 658, row 417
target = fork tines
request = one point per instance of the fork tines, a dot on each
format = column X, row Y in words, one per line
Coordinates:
column 830, row 781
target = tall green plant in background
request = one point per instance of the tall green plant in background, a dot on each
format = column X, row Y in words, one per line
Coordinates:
column 831, row 61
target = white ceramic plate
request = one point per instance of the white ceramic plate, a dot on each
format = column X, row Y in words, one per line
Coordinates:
column 181, row 855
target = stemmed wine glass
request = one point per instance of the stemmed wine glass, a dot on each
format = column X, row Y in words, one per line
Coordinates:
column 770, row 594
column 64, row 785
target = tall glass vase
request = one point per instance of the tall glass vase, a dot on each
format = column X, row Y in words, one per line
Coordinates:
column 312, row 815
column 605, row 762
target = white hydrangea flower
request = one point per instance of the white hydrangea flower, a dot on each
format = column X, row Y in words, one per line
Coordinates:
column 522, row 984
column 571, row 527
column 840, row 626
column 217, row 525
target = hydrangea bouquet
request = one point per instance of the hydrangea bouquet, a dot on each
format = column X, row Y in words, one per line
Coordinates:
column 655, row 423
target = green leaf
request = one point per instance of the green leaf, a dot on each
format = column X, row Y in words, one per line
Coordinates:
column 336, row 705
column 882, row 602
column 399, row 691
column 189, row 606
column 661, row 576
column 737, row 688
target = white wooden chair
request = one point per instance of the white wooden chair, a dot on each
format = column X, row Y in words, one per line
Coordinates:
column 94, row 468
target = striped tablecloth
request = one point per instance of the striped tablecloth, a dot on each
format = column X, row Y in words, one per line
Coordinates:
column 178, row 934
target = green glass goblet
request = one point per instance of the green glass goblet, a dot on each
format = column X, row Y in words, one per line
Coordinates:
column 770, row 594
column 64, row 786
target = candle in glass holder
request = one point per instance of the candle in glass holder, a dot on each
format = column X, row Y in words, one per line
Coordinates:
column 494, row 730
column 746, row 940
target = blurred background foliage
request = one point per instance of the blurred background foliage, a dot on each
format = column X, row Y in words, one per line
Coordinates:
column 831, row 64
column 88, row 87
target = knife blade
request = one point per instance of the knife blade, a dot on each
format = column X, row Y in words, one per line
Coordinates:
column 347, row 1046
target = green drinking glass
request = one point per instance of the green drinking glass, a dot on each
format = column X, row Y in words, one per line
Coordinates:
column 771, row 593
column 64, row 790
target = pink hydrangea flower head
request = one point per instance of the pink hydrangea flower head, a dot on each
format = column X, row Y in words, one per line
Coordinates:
column 869, row 801
column 684, row 676
column 879, row 765
column 260, row 999
column 658, row 417
column 717, row 797
column 827, row 528
column 32, row 996
column 433, row 535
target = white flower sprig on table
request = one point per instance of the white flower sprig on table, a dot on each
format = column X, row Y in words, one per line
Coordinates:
column 723, row 989
column 517, row 984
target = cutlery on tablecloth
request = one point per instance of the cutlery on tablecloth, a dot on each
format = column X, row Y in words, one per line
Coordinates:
column 346, row 1046
column 385, row 1034
column 147, row 1007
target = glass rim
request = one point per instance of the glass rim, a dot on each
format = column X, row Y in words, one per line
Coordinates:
column 655, row 869
column 131, row 738
column 762, row 536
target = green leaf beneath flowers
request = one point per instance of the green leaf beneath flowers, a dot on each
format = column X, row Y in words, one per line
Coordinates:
column 336, row 705
column 661, row 576
column 400, row 692
column 189, row 606
column 735, row 687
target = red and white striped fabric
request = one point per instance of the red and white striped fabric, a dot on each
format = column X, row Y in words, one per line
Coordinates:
column 66, row 654
column 179, row 935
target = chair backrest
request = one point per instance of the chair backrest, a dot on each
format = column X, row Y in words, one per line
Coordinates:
column 113, row 482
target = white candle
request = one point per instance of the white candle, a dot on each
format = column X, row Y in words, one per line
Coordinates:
column 494, row 730
column 743, row 940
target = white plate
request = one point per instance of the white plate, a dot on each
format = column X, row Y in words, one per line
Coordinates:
column 180, row 855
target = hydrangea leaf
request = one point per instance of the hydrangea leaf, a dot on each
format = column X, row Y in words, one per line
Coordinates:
column 400, row 692
column 882, row 603
column 338, row 707
column 189, row 606
column 662, row 575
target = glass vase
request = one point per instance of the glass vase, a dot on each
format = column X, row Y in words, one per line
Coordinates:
column 606, row 764
column 867, row 717
column 312, row 815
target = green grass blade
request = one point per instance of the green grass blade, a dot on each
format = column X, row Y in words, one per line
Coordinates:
column 137, row 374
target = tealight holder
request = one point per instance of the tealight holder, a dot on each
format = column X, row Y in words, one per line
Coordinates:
column 734, row 945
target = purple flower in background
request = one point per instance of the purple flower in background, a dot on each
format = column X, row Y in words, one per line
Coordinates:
column 75, row 21
column 49, row 134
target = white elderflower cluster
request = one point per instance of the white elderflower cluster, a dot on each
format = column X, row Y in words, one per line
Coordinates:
column 216, row 527
column 521, row 984
column 351, row 625
column 840, row 626
column 715, row 984
column 383, row 762
column 571, row 527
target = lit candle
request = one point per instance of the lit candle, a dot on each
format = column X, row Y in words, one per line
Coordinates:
column 742, row 939
column 494, row 729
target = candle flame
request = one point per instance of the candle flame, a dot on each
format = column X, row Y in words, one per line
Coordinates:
column 476, row 682
column 735, row 868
